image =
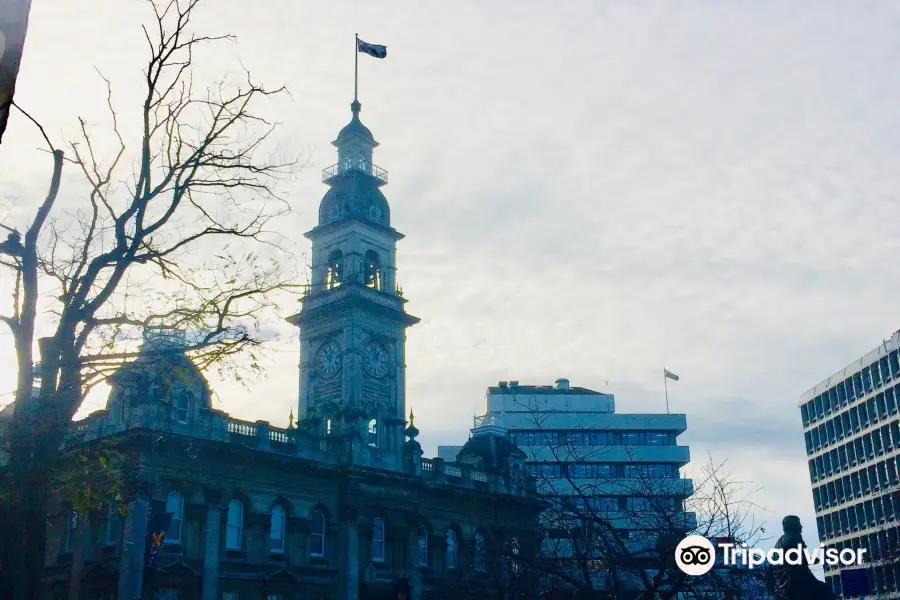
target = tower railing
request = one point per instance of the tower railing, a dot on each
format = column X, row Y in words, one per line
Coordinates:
column 354, row 164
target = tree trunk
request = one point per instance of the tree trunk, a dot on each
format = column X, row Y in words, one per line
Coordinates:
column 36, row 436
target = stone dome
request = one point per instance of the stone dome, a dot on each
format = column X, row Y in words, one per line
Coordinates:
column 354, row 195
column 490, row 452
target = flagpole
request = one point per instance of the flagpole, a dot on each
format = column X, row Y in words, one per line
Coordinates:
column 355, row 67
column 666, row 385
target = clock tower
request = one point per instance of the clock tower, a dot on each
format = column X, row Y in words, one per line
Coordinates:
column 353, row 321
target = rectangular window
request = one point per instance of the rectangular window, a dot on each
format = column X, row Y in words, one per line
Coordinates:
column 636, row 503
column 645, row 438
column 605, row 503
column 167, row 594
column 804, row 414
column 591, row 470
column 895, row 364
column 231, row 596
column 867, row 379
column 876, row 374
column 833, row 398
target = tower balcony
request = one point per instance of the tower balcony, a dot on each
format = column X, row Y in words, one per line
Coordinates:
column 354, row 165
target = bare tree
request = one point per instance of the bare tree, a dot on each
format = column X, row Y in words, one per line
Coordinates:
column 127, row 256
column 613, row 534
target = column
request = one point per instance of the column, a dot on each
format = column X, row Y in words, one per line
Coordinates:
column 211, row 548
column 131, row 560
column 349, row 553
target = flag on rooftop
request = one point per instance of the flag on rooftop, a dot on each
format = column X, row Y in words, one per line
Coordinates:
column 670, row 375
column 371, row 49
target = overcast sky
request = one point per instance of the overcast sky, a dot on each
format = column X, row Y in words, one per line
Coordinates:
column 591, row 190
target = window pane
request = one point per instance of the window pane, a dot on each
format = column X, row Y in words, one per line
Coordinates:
column 277, row 530
column 423, row 547
column 317, row 534
column 234, row 530
column 451, row 549
column 175, row 507
column 113, row 524
column 378, row 540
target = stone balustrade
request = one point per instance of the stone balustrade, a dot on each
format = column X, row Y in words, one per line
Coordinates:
column 217, row 425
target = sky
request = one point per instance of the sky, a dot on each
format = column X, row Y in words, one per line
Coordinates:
column 590, row 190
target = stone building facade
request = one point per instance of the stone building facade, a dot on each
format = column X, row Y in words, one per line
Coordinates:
column 341, row 506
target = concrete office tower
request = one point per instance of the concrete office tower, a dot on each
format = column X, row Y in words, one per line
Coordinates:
column 576, row 444
column 850, row 422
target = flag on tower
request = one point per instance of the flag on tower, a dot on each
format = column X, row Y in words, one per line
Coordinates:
column 669, row 375
column 371, row 49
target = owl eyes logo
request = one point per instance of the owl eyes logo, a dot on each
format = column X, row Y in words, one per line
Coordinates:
column 695, row 555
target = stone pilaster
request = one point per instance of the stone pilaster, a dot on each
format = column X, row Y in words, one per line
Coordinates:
column 211, row 547
column 131, row 560
column 349, row 553
column 412, row 562
column 81, row 540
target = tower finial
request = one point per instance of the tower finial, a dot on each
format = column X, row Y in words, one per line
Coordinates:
column 412, row 431
column 291, row 424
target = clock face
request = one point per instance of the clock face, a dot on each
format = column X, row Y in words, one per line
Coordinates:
column 375, row 361
column 328, row 360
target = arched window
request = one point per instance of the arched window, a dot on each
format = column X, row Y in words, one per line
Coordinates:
column 378, row 540
column 71, row 526
column 181, row 401
column 175, row 507
column 317, row 533
column 423, row 546
column 373, row 433
column 113, row 523
column 452, row 549
column 480, row 553
column 373, row 270
column 234, row 532
column 335, row 275
column 277, row 530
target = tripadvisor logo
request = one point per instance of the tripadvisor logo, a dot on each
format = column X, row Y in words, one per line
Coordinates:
column 696, row 555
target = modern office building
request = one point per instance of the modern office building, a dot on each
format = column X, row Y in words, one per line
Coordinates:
column 578, row 446
column 852, row 431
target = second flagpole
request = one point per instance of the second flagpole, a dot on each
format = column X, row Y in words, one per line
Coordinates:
column 355, row 67
column 666, row 385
